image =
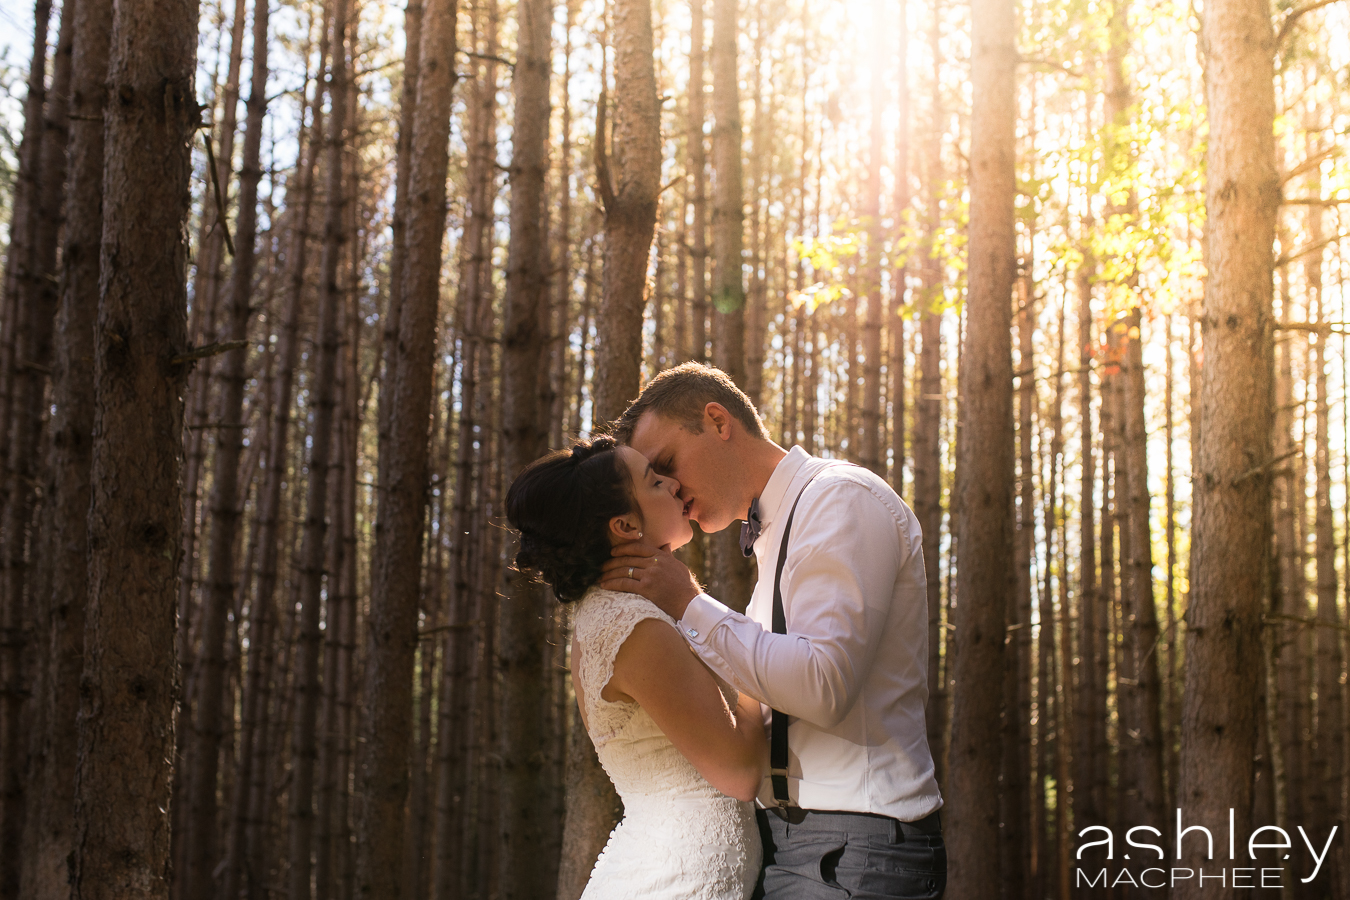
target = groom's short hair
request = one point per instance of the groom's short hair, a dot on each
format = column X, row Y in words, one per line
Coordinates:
column 681, row 393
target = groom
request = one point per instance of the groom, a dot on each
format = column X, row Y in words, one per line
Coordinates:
column 858, row 807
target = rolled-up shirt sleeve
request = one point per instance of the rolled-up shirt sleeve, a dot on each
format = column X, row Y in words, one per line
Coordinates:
column 843, row 560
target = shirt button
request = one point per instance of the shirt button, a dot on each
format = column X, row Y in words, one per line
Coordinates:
column 692, row 632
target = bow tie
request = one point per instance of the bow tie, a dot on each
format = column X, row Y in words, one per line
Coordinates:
column 750, row 529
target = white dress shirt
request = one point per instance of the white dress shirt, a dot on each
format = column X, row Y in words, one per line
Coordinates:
column 852, row 671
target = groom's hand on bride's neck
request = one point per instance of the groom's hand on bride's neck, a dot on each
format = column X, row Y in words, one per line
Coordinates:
column 655, row 574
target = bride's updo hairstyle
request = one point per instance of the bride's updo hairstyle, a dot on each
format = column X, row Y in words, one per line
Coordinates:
column 561, row 504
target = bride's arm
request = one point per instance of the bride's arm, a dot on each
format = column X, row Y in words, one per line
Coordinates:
column 655, row 667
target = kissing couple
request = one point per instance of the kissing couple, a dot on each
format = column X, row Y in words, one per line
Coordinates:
column 830, row 660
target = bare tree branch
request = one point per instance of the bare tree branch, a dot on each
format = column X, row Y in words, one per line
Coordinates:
column 1287, row 25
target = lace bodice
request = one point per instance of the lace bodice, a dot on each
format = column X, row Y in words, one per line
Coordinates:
column 680, row 836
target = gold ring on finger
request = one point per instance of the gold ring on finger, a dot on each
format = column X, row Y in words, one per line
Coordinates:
column 630, row 572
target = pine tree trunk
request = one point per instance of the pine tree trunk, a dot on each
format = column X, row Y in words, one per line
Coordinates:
column 528, row 836
column 1290, row 694
column 1089, row 796
column 205, row 301
column 563, row 260
column 696, row 166
column 1330, row 737
column 729, row 570
column 899, row 311
column 30, row 303
column 1138, row 560
column 324, row 399
column 203, row 851
column 47, row 874
column 398, row 253
column 23, row 232
column 1016, row 814
column 985, row 453
column 127, row 690
column 869, row 451
column 1232, row 478
column 454, row 839
column 382, row 767
column 1053, row 690
column 240, row 864
column 754, row 336
column 630, row 194
column 928, row 418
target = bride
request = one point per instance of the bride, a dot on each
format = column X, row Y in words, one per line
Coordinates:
column 685, row 751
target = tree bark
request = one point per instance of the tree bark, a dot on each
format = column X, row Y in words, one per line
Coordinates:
column 696, row 166
column 1089, row 796
column 1017, row 845
column 729, row 569
column 127, row 689
column 869, row 451
column 1137, row 549
column 630, row 197
column 37, row 299
column 203, row 845
column 454, row 840
column 398, row 255
column 311, row 563
column 1232, row 479
column 528, row 834
column 47, row 875
column 1329, row 738
column 985, row 458
column 382, row 766
column 928, row 416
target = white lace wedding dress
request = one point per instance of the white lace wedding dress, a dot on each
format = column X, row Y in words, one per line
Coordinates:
column 680, row 838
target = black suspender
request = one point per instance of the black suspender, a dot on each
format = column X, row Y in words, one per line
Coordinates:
column 778, row 729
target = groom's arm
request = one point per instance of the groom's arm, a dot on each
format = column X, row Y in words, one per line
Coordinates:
column 846, row 551
column 838, row 585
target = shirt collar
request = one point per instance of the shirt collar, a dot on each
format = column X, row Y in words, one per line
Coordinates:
column 775, row 491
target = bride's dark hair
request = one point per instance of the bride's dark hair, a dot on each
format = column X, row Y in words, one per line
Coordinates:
column 561, row 504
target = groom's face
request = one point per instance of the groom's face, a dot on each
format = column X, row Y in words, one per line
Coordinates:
column 700, row 462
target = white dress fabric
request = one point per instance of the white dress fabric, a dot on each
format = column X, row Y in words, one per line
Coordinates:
column 680, row 838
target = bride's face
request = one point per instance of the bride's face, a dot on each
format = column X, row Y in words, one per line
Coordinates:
column 664, row 521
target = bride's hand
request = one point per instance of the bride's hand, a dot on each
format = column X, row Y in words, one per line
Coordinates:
column 641, row 568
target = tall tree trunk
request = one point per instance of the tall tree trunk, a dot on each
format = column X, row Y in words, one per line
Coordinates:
column 248, row 814
column 696, row 166
column 304, row 747
column 382, row 767
column 47, row 875
column 1138, row 561
column 127, row 689
column 205, row 295
column 1232, row 479
column 754, row 335
column 527, row 831
column 898, row 311
column 36, row 301
column 1089, row 777
column 729, row 568
column 563, row 260
column 1329, row 738
column 928, row 414
column 869, row 452
column 985, row 457
column 203, row 846
column 1053, row 668
column 1018, row 843
column 398, row 254
column 629, row 193
column 22, row 235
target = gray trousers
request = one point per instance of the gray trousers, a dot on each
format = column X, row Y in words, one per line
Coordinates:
column 831, row 856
